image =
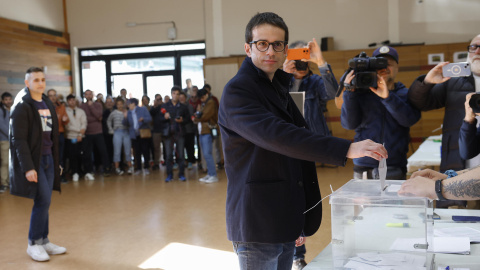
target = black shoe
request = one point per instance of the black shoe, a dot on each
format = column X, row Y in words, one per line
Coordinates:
column 3, row 189
column 298, row 264
column 155, row 167
column 219, row 166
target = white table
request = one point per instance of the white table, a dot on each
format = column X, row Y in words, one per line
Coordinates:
column 427, row 155
column 324, row 260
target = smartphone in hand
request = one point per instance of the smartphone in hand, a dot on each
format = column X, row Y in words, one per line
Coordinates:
column 461, row 69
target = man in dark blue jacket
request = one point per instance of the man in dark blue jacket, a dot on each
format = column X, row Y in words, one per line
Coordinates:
column 34, row 159
column 383, row 115
column 270, row 154
column 173, row 135
column 318, row 89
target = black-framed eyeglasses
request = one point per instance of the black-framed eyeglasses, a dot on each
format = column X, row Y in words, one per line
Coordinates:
column 473, row 48
column 263, row 45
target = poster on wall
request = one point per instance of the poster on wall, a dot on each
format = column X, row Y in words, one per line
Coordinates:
column 460, row 57
column 435, row 58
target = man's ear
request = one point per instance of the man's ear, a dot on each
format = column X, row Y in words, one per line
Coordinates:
column 285, row 50
column 27, row 83
column 248, row 50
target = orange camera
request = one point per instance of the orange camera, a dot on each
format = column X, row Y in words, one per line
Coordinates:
column 298, row 54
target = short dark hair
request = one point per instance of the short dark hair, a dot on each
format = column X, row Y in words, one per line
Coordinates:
column 133, row 100
column 297, row 44
column 156, row 95
column 145, row 96
column 207, row 86
column 119, row 99
column 5, row 95
column 34, row 69
column 70, row 97
column 176, row 88
column 183, row 94
column 265, row 18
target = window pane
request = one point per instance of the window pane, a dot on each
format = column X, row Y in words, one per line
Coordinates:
column 132, row 83
column 147, row 64
column 94, row 77
column 159, row 85
column 144, row 49
column 192, row 68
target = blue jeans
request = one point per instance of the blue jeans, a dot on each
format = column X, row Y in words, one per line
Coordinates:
column 206, row 142
column 38, row 233
column 121, row 137
column 168, row 144
column 253, row 256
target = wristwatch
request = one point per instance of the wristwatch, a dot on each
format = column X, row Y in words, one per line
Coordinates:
column 438, row 190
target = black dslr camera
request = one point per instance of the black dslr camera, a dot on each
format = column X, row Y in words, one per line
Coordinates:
column 365, row 70
column 198, row 114
column 475, row 103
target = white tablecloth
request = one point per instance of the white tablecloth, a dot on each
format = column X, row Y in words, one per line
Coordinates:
column 427, row 154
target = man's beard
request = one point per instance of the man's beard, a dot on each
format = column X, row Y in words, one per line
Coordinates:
column 475, row 65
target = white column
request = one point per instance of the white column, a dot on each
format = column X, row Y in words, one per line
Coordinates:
column 393, row 21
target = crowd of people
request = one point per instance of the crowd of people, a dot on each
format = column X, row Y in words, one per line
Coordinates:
column 266, row 140
column 120, row 135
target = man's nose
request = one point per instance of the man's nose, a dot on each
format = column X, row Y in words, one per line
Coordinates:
column 270, row 50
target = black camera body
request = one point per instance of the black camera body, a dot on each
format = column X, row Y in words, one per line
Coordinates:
column 301, row 65
column 475, row 103
column 365, row 70
column 198, row 114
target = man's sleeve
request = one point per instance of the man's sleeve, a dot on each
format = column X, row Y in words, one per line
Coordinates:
column 20, row 132
column 329, row 82
column 351, row 116
column 425, row 96
column 401, row 110
column 469, row 140
column 83, row 121
column 243, row 113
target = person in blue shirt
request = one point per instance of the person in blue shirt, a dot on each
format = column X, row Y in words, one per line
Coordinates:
column 139, row 118
column 383, row 115
column 318, row 90
column 5, row 106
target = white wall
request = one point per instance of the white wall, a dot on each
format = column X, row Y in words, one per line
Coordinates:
column 44, row 13
column 94, row 23
column 352, row 23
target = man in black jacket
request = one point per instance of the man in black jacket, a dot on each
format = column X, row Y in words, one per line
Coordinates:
column 34, row 164
column 433, row 91
column 270, row 154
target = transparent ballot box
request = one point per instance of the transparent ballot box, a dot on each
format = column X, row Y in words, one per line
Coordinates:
column 375, row 229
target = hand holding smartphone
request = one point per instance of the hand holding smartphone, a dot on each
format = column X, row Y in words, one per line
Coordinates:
column 461, row 69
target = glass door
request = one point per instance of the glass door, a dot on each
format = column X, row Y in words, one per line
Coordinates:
column 131, row 82
column 158, row 84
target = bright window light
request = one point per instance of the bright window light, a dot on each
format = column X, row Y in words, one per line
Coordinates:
column 146, row 49
column 182, row 256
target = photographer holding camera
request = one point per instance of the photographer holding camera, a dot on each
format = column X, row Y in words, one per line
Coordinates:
column 434, row 91
column 469, row 138
column 318, row 89
column 377, row 108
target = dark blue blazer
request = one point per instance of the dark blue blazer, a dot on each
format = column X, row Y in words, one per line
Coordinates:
column 269, row 160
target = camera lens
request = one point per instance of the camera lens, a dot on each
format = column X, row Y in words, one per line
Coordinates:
column 475, row 103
